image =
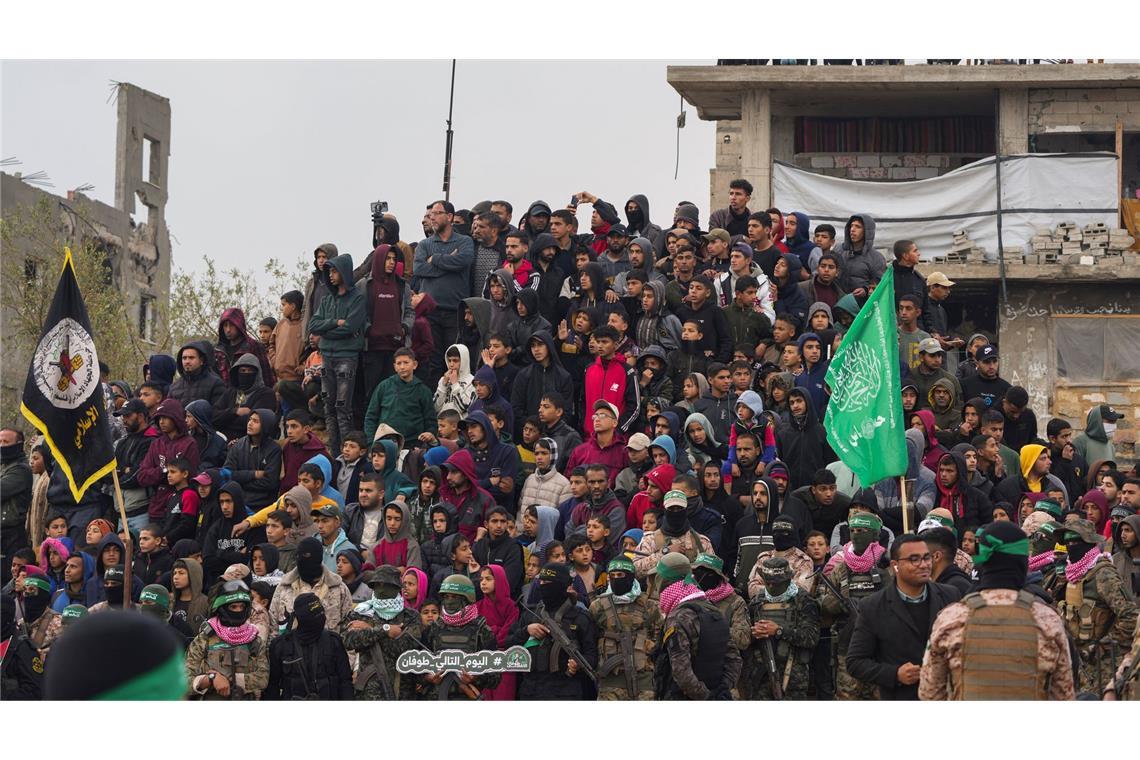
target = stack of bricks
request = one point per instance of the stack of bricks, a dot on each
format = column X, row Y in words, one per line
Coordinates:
column 962, row 250
column 1070, row 244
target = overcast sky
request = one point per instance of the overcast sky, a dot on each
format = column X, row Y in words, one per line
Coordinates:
column 274, row 158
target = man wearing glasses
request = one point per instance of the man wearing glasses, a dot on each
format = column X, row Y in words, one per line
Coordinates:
column 894, row 623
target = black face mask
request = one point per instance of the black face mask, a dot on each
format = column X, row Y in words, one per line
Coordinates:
column 114, row 595
column 621, row 586
column 636, row 217
column 12, row 452
column 231, row 619
column 552, row 595
column 1078, row 550
column 675, row 521
column 34, row 605
column 309, row 567
column 706, row 579
column 783, row 541
column 245, row 380
column 453, row 605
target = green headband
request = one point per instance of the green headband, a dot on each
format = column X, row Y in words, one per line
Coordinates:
column 990, row 545
column 621, row 563
column 167, row 682
column 455, row 588
column 1048, row 506
column 39, row 583
column 864, row 520
column 710, row 561
column 224, row 599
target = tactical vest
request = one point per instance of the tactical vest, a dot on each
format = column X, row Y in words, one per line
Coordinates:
column 999, row 652
column 707, row 661
column 784, row 614
column 860, row 585
column 627, row 621
column 652, row 587
column 308, row 678
column 464, row 638
column 231, row 660
column 1087, row 617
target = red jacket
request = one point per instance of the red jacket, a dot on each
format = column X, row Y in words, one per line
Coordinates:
column 662, row 477
column 615, row 457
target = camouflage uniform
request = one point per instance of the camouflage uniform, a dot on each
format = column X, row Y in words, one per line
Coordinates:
column 681, row 642
column 1128, row 674
column 641, row 620
column 1099, row 616
column 367, row 684
column 246, row 666
column 798, row 619
column 735, row 610
column 847, row 686
column 476, row 636
column 44, row 631
column 651, row 549
column 801, row 565
column 1041, row 660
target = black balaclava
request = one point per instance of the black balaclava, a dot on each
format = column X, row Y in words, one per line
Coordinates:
column 35, row 604
column 707, row 578
column 310, row 615
column 997, row 568
column 553, row 580
column 622, row 586
column 226, row 616
column 1077, row 549
column 676, row 522
column 245, row 380
column 309, row 560
column 114, row 592
column 636, row 218
column 783, row 534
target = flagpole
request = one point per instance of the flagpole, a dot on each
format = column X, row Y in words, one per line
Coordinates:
column 128, row 570
column 905, row 508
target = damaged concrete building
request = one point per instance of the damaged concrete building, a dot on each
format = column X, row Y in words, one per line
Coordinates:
column 137, row 246
column 1068, row 328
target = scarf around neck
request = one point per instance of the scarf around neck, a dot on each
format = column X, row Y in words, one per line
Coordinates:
column 234, row 635
column 864, row 563
column 630, row 598
column 723, row 591
column 385, row 609
column 1076, row 571
column 789, row 593
column 678, row 593
column 469, row 613
column 1039, row 561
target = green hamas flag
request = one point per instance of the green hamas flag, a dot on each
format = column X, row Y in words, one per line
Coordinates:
column 864, row 419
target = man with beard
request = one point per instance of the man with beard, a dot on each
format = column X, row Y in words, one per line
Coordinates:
column 308, row 662
column 600, row 502
column 616, row 258
column 554, row 673
column 1097, row 612
column 699, row 662
column 542, row 249
column 818, row 506
column 130, row 451
column 788, row 617
column 227, row 660
column 376, row 630
column 629, row 626
column 1000, row 642
column 443, row 269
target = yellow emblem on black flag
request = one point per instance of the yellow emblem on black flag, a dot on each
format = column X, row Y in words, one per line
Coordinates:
column 63, row 396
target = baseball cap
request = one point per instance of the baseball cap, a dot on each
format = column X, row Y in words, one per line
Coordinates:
column 1108, row 414
column 675, row 498
column 638, row 442
column 603, row 404
column 133, row 406
column 937, row 278
column 328, row 510
column 744, row 248
column 618, row 229
column 717, row 234
column 930, row 346
column 988, row 351
column 203, row 479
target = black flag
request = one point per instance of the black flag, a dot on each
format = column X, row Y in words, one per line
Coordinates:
column 63, row 396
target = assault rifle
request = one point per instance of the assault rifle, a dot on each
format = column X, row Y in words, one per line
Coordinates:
column 773, row 674
column 563, row 641
column 843, row 601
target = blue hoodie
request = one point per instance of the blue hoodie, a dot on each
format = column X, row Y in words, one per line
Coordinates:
column 497, row 455
column 329, row 491
column 801, row 245
column 665, row 442
column 62, row 600
column 486, row 375
column 811, row 379
column 161, row 368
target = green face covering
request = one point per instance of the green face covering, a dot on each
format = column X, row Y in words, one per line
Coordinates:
column 861, row 538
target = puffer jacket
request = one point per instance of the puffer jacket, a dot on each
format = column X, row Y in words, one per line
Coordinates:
column 549, row 489
column 858, row 268
column 433, row 551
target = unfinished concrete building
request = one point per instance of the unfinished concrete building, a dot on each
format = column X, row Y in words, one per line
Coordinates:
column 137, row 247
column 1068, row 326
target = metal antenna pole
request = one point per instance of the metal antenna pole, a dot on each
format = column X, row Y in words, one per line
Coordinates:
column 447, row 149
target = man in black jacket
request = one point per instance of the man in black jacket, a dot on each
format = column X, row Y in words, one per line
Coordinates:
column 894, row 623
column 543, row 373
column 130, row 450
column 16, row 487
column 702, row 308
column 1064, row 462
column 943, row 545
column 497, row 547
column 819, row 506
column 308, row 662
column 364, row 520
column 254, row 460
column 802, row 443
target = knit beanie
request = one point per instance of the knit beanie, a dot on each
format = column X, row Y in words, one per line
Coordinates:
column 116, row 656
column 353, row 558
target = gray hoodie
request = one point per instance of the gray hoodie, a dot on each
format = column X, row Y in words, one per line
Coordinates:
column 858, row 268
column 648, row 228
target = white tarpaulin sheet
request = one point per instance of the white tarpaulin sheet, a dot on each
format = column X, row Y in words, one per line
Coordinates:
column 1038, row 191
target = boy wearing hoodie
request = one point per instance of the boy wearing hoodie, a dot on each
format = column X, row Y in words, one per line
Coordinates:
column 456, row 389
column 247, row 392
column 254, row 460
column 402, row 401
column 173, row 441
column 350, row 465
column 340, row 320
column 181, row 509
column 398, row 547
column 300, row 446
column 498, row 547
column 687, row 359
column 200, row 427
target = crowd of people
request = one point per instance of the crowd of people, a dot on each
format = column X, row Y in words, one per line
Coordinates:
column 604, row 446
